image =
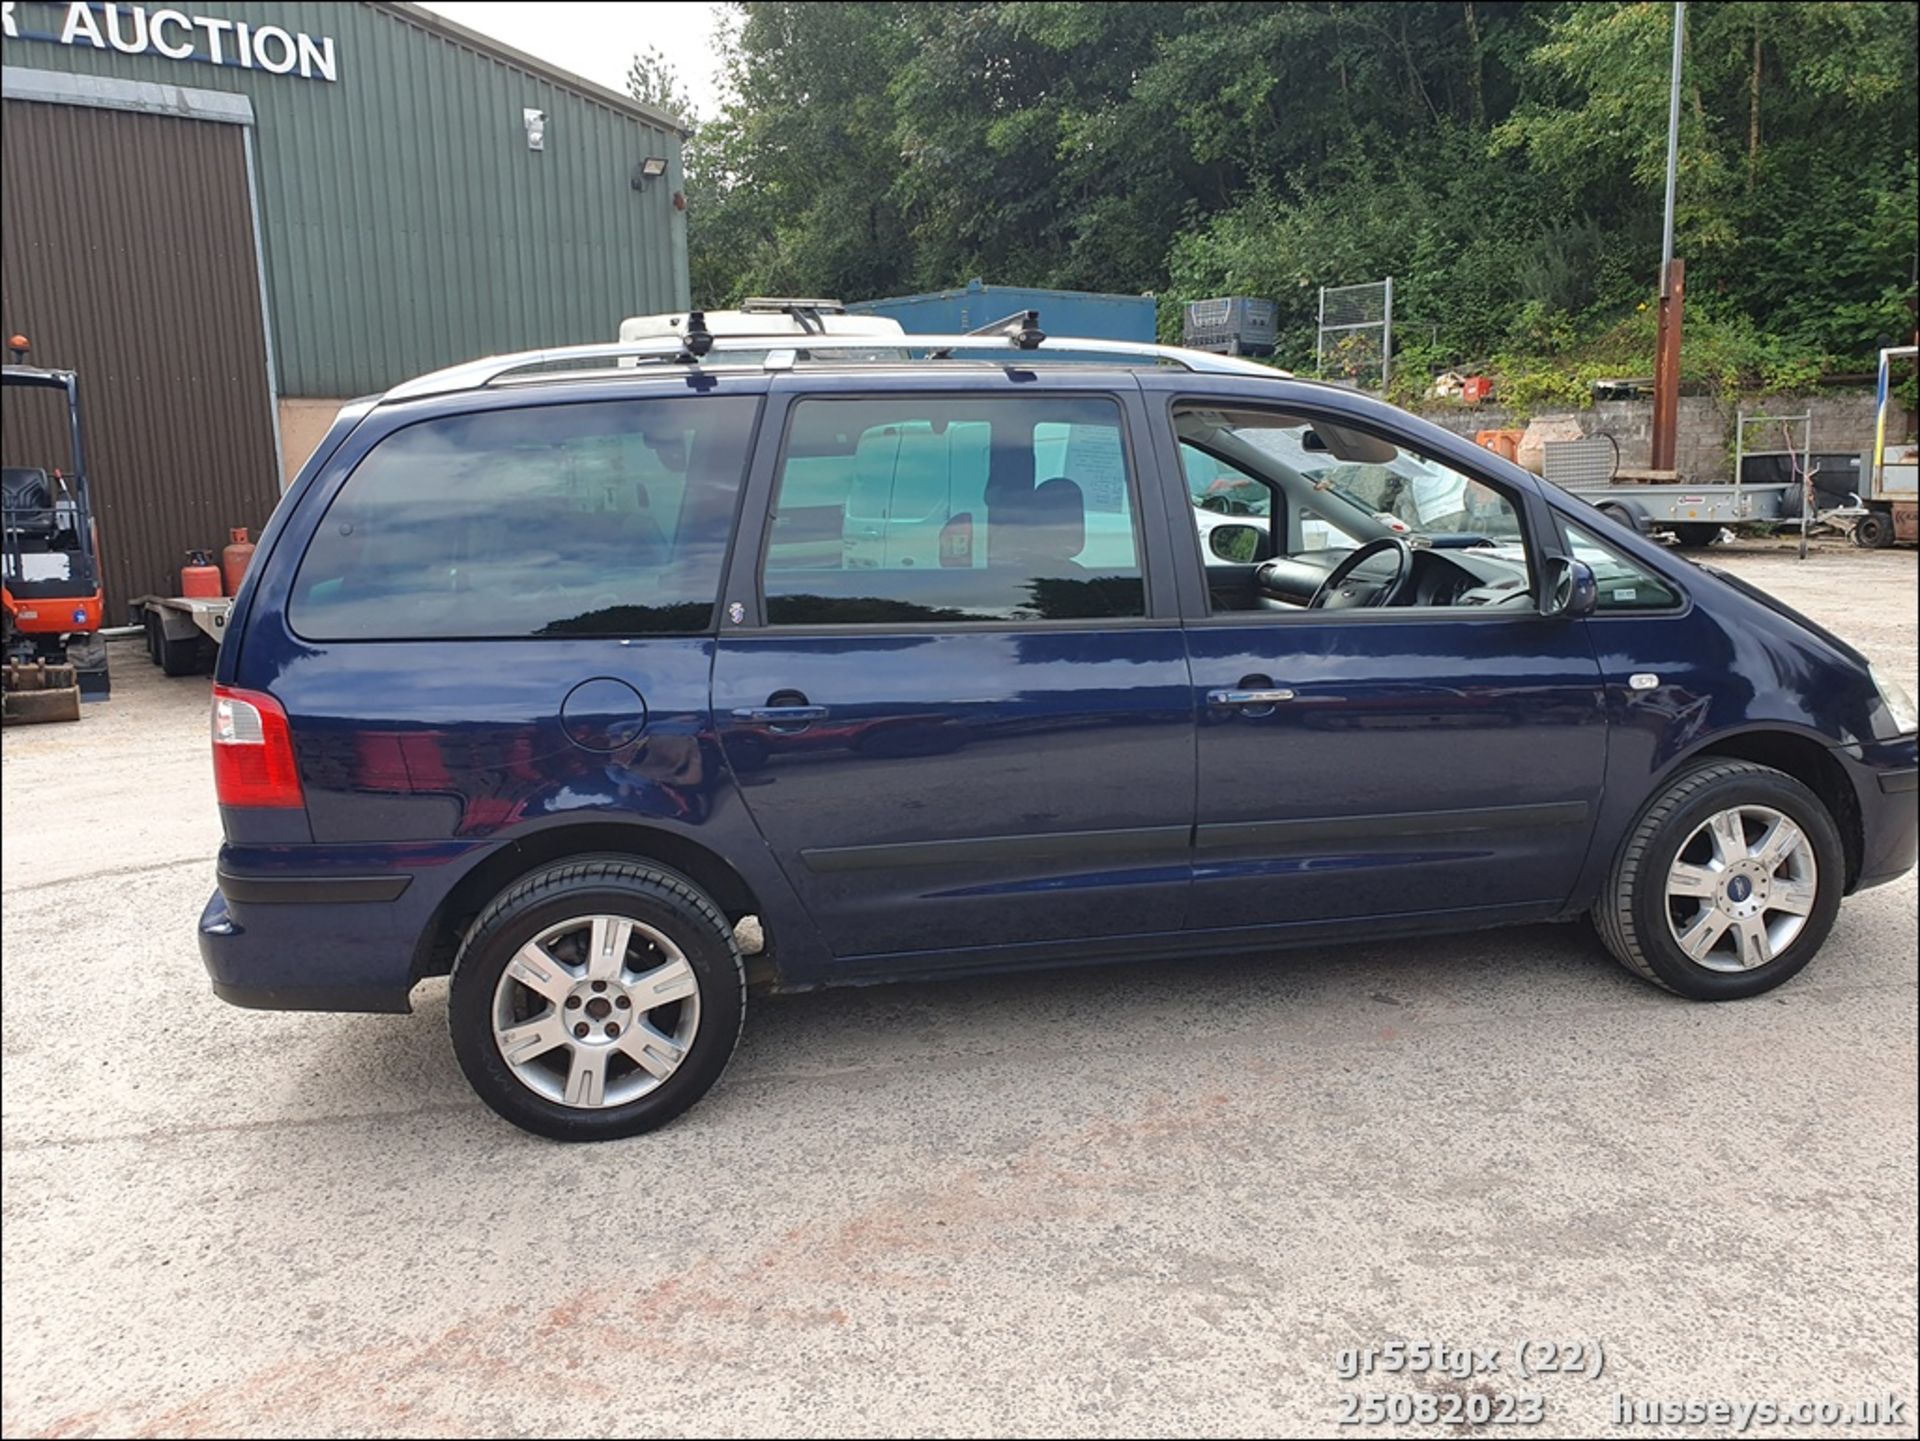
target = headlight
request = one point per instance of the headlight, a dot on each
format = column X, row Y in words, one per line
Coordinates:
column 1896, row 702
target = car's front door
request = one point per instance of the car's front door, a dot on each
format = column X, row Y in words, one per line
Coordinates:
column 950, row 685
column 1443, row 755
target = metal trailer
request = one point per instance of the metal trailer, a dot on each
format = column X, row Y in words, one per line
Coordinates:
column 1693, row 512
column 182, row 631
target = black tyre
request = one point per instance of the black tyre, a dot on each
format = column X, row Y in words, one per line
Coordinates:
column 156, row 638
column 180, row 657
column 596, row 999
column 1629, row 513
column 1727, row 885
column 1873, row 530
column 1696, row 537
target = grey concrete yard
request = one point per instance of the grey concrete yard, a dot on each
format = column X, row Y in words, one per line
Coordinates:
column 1118, row 1201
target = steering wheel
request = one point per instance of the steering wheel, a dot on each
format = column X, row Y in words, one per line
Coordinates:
column 1336, row 594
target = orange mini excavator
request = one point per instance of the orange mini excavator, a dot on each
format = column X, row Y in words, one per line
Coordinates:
column 50, row 575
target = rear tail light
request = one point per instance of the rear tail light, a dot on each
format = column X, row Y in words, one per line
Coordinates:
column 253, row 762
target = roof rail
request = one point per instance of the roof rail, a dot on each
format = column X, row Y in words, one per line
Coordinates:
column 476, row 374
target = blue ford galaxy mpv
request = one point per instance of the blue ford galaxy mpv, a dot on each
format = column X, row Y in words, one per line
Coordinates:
column 619, row 681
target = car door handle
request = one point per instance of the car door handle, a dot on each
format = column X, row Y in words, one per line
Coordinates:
column 780, row 714
column 1248, row 697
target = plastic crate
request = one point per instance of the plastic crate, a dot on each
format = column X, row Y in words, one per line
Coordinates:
column 1232, row 325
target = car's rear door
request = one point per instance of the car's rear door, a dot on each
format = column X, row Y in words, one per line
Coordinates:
column 950, row 679
column 1383, row 763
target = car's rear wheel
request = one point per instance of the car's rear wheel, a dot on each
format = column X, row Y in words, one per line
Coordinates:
column 1727, row 885
column 596, row 999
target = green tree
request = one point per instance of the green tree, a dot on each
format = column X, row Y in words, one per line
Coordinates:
column 652, row 81
column 798, row 166
column 1798, row 135
column 1502, row 160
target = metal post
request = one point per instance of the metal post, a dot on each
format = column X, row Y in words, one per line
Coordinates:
column 266, row 311
column 1806, row 476
column 1666, row 355
column 1739, row 444
column 1673, row 139
column 1386, row 340
column 1876, row 472
column 1806, row 508
column 1320, row 339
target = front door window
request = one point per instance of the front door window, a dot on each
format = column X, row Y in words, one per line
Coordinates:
column 1284, row 503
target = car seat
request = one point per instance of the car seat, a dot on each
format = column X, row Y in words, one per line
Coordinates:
column 1042, row 532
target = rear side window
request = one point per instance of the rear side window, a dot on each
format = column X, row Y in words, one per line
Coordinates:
column 941, row 509
column 607, row 518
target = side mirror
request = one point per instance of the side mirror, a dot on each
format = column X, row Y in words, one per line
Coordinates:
column 1572, row 591
column 1236, row 544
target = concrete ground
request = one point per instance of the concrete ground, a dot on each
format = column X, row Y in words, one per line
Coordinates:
column 1116, row 1201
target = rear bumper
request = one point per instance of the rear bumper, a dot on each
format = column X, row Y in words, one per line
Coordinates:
column 301, row 955
column 1886, row 784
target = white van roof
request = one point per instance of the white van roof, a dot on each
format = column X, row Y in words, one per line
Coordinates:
column 759, row 315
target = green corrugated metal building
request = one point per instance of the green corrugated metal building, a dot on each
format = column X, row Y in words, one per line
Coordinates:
column 420, row 194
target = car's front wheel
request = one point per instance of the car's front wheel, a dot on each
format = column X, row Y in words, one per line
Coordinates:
column 1727, row 885
column 596, row 999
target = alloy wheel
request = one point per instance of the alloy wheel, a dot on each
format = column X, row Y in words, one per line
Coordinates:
column 1741, row 888
column 596, row 1011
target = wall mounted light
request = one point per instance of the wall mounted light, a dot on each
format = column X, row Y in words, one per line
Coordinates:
column 536, row 123
column 652, row 168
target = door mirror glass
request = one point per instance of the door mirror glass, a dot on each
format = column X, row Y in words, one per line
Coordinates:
column 1572, row 591
column 1235, row 544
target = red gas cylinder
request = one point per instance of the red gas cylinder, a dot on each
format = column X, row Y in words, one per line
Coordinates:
column 235, row 558
column 200, row 576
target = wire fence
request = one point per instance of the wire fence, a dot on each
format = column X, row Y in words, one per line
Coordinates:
column 1354, row 340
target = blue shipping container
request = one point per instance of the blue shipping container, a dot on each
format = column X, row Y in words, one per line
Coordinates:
column 1062, row 312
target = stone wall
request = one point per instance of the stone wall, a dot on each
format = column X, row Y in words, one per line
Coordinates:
column 1842, row 423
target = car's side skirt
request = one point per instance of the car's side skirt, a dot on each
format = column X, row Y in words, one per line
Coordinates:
column 986, row 960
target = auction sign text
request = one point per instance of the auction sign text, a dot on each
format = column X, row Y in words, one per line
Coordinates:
column 176, row 35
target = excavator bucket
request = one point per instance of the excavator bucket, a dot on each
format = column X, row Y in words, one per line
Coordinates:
column 34, row 692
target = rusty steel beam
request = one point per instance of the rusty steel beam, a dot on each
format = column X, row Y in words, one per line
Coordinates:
column 1666, row 365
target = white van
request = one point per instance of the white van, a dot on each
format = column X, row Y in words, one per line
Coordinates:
column 769, row 315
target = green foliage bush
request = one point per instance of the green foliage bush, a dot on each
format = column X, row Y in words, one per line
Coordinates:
column 1504, row 162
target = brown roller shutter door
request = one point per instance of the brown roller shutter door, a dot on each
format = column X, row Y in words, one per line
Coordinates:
column 128, row 256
